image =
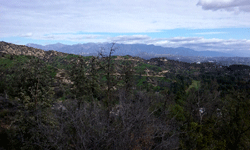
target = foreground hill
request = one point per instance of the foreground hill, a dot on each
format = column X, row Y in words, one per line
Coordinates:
column 65, row 101
column 13, row 49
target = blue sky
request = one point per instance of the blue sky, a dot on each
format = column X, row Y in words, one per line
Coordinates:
column 218, row 25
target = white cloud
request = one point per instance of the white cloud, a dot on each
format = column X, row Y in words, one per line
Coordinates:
column 68, row 36
column 129, row 39
column 184, row 39
column 228, row 5
column 202, row 44
column 73, row 37
column 196, row 43
column 26, row 34
column 123, row 16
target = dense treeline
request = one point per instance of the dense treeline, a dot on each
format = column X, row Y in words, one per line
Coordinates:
column 114, row 105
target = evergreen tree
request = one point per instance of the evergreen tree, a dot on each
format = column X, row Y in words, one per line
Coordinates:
column 30, row 84
column 235, row 123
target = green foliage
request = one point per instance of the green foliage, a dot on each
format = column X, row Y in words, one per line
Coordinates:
column 30, row 85
column 80, row 80
column 164, row 79
column 104, row 79
column 127, row 79
column 126, row 57
column 9, row 61
column 70, row 56
column 177, row 112
column 85, row 77
column 235, row 123
column 52, row 70
column 142, row 80
column 157, row 88
column 28, row 77
column 111, row 105
column 195, row 84
column 23, row 58
column 114, row 57
column 143, row 66
column 88, row 57
column 6, row 63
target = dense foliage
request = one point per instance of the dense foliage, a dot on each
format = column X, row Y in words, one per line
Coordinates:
column 114, row 102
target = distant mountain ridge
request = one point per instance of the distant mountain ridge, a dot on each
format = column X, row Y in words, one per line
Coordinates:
column 129, row 49
column 47, row 47
column 140, row 50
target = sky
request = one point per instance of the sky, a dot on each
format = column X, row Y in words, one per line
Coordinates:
column 216, row 25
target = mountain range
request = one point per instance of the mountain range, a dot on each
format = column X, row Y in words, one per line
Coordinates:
column 141, row 50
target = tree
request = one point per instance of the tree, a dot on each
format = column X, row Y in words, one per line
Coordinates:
column 201, row 112
column 235, row 123
column 128, row 77
column 30, row 84
column 107, row 67
column 78, row 75
column 32, row 80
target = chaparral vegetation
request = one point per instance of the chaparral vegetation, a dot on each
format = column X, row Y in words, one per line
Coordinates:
column 121, row 102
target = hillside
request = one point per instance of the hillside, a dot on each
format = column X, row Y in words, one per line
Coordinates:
column 55, row 100
column 13, row 49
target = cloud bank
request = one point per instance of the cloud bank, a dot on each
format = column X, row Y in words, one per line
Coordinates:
column 228, row 5
column 112, row 16
column 196, row 43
